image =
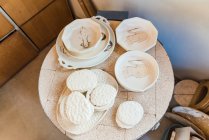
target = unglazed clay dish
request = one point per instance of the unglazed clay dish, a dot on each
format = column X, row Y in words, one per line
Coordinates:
column 63, row 106
column 67, row 125
column 136, row 71
column 103, row 78
column 97, row 50
column 136, row 34
column 70, row 62
column 81, row 36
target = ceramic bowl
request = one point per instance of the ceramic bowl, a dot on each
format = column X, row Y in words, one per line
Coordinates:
column 82, row 36
column 69, row 62
column 101, row 46
column 136, row 34
column 136, row 71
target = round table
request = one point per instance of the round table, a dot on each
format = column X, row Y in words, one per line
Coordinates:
column 155, row 101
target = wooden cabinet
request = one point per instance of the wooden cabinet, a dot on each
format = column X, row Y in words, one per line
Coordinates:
column 22, row 10
column 46, row 25
column 40, row 21
column 5, row 26
column 15, row 52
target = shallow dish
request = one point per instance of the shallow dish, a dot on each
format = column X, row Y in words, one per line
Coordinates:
column 136, row 71
column 81, row 36
column 136, row 34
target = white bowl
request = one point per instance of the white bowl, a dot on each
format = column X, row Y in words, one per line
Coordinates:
column 97, row 50
column 136, row 71
column 81, row 36
column 136, row 34
column 70, row 62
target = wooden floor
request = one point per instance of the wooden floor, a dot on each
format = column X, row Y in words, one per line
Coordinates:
column 21, row 115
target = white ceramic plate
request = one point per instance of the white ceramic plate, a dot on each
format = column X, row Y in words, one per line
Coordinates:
column 74, row 63
column 69, row 126
column 136, row 34
column 81, row 36
column 92, row 54
column 104, row 78
column 136, row 71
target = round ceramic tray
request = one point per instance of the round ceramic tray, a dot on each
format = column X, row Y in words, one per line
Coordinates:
column 69, row 62
column 82, row 36
column 136, row 34
column 136, row 71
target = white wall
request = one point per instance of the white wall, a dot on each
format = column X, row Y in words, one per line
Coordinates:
column 183, row 27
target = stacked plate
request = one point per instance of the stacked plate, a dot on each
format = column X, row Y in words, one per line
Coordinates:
column 85, row 43
column 76, row 112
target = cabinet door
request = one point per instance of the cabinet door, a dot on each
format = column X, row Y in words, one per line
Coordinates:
column 15, row 52
column 45, row 26
column 22, row 10
column 5, row 26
